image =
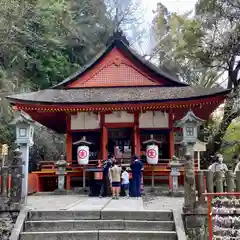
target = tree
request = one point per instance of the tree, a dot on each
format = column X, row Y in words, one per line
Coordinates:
column 127, row 15
column 219, row 47
column 231, row 141
column 41, row 43
column 170, row 32
column 201, row 49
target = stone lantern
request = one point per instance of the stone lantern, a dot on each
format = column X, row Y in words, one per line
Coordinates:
column 152, row 154
column 24, row 139
column 189, row 124
column 83, row 155
column 175, row 173
column 61, row 165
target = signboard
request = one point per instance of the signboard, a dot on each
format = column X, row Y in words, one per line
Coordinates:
column 152, row 154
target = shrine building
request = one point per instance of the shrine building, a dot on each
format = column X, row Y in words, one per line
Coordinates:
column 117, row 102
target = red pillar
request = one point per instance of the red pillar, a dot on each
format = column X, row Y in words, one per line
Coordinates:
column 171, row 135
column 104, row 142
column 171, row 141
column 68, row 148
column 68, row 140
column 136, row 134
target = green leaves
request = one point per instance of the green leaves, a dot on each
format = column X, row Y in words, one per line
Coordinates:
column 41, row 43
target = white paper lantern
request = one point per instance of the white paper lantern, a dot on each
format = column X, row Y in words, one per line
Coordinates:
column 83, row 155
column 152, row 154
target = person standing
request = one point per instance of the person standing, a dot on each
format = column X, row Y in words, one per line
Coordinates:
column 136, row 167
column 218, row 166
column 105, row 187
column 125, row 181
column 236, row 160
column 115, row 180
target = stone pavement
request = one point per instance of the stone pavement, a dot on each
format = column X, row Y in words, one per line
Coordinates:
column 79, row 202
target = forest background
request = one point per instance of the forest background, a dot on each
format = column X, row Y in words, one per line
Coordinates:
column 44, row 41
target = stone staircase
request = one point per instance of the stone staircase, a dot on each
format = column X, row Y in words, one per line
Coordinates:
column 99, row 225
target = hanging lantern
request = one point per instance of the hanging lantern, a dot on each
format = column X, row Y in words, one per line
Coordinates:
column 152, row 150
column 83, row 151
column 83, row 155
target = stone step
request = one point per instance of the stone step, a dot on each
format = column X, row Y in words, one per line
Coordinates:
column 105, row 215
column 76, row 225
column 147, row 215
column 63, row 215
column 100, row 235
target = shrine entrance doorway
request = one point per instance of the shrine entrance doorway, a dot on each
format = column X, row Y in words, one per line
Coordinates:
column 120, row 144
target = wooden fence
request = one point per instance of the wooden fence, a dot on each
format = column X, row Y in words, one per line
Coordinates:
column 218, row 182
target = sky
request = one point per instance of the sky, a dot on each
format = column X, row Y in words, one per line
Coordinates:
column 178, row 6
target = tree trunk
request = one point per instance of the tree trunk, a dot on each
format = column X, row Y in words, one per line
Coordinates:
column 214, row 144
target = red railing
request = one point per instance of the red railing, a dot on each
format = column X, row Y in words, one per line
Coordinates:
column 50, row 165
column 210, row 197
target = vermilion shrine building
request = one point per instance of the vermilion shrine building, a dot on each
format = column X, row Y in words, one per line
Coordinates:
column 117, row 102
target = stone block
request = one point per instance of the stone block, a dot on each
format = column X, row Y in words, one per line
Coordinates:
column 150, row 225
column 136, row 235
column 63, row 215
column 138, row 215
column 69, row 235
column 195, row 221
column 76, row 225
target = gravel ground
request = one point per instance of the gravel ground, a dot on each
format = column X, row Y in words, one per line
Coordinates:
column 158, row 203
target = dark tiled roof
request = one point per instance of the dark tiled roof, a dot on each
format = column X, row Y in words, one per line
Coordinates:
column 118, row 43
column 115, row 95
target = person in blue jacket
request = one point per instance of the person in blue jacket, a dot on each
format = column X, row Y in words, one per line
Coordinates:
column 105, row 186
column 136, row 167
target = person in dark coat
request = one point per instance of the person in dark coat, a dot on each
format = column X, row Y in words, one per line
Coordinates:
column 105, row 187
column 136, row 168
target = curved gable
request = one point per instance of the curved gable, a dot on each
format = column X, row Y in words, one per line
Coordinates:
column 115, row 69
column 119, row 65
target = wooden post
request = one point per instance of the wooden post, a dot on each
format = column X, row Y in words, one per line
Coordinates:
column 171, row 144
column 104, row 151
column 68, row 140
column 16, row 177
column 210, row 224
column 153, row 184
column 209, row 181
column 201, row 188
column 238, row 181
column 230, row 181
column 68, row 149
column 171, row 135
column 84, row 177
column 137, row 143
column 219, row 181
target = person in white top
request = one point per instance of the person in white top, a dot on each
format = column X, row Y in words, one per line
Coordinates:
column 236, row 160
column 218, row 165
column 125, row 181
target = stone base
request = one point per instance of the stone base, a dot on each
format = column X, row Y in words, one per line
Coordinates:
column 60, row 192
column 176, row 194
column 81, row 190
column 196, row 227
